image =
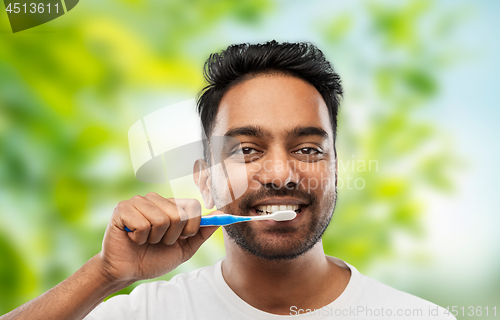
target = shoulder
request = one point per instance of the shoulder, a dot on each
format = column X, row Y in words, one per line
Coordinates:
column 400, row 303
column 371, row 298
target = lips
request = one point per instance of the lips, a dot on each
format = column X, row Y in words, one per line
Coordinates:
column 280, row 201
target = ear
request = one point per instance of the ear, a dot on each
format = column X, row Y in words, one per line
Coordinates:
column 336, row 170
column 201, row 175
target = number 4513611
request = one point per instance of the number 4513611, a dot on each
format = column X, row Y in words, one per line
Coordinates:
column 31, row 8
column 471, row 311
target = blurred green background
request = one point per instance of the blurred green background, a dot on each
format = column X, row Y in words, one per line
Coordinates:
column 420, row 106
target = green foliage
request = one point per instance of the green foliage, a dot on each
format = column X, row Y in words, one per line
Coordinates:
column 15, row 275
column 65, row 92
column 409, row 152
column 63, row 124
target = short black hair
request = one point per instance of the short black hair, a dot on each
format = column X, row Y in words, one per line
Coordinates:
column 243, row 61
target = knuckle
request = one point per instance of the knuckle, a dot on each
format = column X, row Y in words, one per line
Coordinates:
column 152, row 194
column 175, row 219
column 136, row 198
column 192, row 209
column 143, row 226
column 161, row 220
column 122, row 206
column 194, row 204
column 148, row 208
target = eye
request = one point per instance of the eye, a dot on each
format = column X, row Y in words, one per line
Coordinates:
column 246, row 151
column 246, row 154
column 309, row 154
column 308, row 151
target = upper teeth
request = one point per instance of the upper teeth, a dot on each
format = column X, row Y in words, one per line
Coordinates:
column 275, row 208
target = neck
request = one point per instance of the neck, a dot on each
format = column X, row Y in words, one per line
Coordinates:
column 310, row 281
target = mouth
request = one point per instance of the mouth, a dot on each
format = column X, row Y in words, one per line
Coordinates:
column 270, row 209
column 274, row 204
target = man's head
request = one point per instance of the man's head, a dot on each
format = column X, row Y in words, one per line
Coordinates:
column 280, row 101
column 245, row 61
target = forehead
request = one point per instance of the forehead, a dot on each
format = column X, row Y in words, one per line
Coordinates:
column 274, row 102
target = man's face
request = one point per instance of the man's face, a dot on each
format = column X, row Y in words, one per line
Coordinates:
column 287, row 150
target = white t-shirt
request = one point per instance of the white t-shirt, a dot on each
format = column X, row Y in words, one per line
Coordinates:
column 204, row 294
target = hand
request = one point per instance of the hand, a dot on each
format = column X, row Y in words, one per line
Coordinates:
column 160, row 239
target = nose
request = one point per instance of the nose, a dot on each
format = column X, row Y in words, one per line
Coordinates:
column 278, row 171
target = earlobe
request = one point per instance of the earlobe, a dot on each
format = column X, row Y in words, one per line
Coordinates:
column 201, row 175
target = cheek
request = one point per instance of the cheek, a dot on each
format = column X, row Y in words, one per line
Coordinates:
column 231, row 183
column 238, row 178
column 220, row 189
column 245, row 176
column 253, row 170
column 318, row 177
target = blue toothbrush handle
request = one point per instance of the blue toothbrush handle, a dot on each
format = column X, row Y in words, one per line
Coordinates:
column 216, row 220
column 221, row 220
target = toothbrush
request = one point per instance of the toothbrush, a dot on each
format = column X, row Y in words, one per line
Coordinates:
column 227, row 219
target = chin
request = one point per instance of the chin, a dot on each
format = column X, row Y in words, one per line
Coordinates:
column 275, row 245
column 278, row 254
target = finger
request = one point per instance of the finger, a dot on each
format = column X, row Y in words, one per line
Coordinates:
column 127, row 215
column 176, row 227
column 191, row 227
column 158, row 219
column 192, row 208
column 190, row 214
column 175, row 214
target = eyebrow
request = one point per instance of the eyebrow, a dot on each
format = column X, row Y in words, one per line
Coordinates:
column 259, row 132
column 308, row 131
column 254, row 131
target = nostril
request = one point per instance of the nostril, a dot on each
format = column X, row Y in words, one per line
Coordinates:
column 291, row 185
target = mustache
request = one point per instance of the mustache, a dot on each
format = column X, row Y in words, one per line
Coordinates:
column 248, row 199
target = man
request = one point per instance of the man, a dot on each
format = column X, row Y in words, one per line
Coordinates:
column 280, row 101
